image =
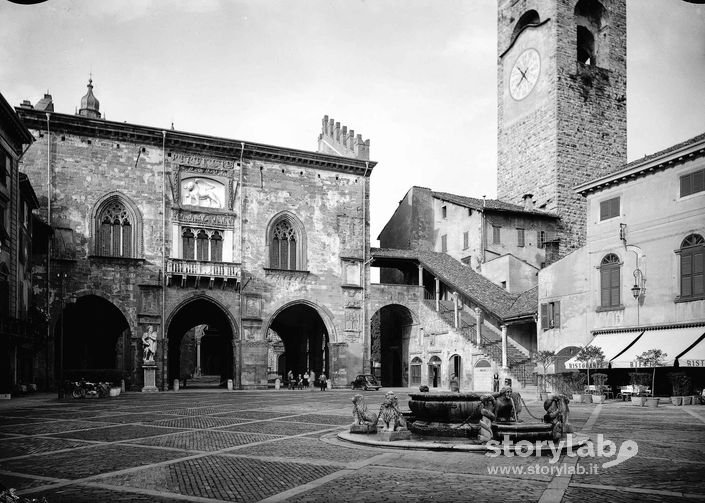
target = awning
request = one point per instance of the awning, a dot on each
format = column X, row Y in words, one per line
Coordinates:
column 694, row 355
column 611, row 343
column 671, row 341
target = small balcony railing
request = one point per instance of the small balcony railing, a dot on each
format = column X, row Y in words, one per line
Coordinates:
column 227, row 272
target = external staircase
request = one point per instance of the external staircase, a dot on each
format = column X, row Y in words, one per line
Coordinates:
column 520, row 366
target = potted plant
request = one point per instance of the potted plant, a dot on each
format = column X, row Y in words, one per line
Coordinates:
column 544, row 358
column 576, row 385
column 678, row 385
column 591, row 356
column 639, row 381
column 599, row 379
column 652, row 358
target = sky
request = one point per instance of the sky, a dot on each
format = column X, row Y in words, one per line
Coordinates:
column 416, row 77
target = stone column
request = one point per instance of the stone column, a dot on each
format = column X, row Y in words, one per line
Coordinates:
column 478, row 325
column 438, row 294
column 455, row 309
column 199, row 332
column 504, row 346
column 420, row 275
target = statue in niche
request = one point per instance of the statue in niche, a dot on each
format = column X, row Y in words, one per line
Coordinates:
column 149, row 344
column 198, row 192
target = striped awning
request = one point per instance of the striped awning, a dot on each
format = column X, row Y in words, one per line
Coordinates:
column 612, row 344
column 675, row 342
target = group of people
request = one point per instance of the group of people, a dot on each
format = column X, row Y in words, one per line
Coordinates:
column 307, row 381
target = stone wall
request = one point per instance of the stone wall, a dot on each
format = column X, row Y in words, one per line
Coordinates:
column 89, row 164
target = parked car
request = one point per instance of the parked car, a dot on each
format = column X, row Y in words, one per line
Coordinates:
column 365, row 382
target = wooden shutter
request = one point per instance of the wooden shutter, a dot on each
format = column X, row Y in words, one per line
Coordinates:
column 615, row 285
column 544, row 317
column 557, row 314
column 604, row 287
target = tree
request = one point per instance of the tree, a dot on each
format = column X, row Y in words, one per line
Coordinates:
column 590, row 355
column 652, row 358
column 544, row 358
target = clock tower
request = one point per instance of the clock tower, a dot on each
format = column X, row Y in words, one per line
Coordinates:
column 562, row 76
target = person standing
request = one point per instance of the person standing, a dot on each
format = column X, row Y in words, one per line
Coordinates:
column 290, row 379
column 306, row 376
column 495, row 382
column 322, row 381
column 312, row 380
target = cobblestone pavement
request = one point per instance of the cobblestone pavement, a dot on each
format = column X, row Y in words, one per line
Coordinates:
column 282, row 446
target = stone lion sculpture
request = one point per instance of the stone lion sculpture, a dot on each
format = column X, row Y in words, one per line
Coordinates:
column 361, row 416
column 389, row 413
column 507, row 405
column 488, row 417
column 558, row 414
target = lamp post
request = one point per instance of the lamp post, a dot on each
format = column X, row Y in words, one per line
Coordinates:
column 61, row 276
column 638, row 290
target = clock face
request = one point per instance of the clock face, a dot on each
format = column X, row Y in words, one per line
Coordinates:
column 524, row 74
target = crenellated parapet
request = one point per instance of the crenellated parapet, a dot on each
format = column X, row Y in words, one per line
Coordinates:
column 337, row 140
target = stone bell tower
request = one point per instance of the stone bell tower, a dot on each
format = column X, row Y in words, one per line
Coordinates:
column 562, row 74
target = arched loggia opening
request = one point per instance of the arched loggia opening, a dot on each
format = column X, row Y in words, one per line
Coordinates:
column 200, row 345
column 94, row 341
column 305, row 337
column 391, row 330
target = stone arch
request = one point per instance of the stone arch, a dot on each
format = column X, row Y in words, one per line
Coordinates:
column 134, row 214
column 306, row 332
column 325, row 314
column 93, row 339
column 288, row 218
column 119, row 304
column 234, row 327
column 201, row 335
column 391, row 333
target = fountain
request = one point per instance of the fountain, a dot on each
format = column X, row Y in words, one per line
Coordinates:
column 460, row 421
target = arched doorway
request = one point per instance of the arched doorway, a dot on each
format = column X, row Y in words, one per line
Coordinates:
column 456, row 366
column 200, row 345
column 434, row 372
column 303, row 333
column 483, row 376
column 390, row 333
column 563, row 356
column 416, row 371
column 94, row 341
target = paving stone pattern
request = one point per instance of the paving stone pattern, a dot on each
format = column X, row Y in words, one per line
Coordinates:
column 248, row 446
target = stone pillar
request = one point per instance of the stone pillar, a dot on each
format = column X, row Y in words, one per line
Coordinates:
column 149, row 368
column 420, row 275
column 478, row 326
column 198, row 358
column 504, row 346
column 455, row 309
column 438, row 294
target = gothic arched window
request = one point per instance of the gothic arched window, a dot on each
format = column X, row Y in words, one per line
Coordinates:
column 216, row 247
column 187, row 243
column 287, row 244
column 202, row 246
column 610, row 281
column 117, row 229
column 692, row 262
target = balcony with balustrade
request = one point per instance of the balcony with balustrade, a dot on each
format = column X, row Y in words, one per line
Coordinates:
column 197, row 274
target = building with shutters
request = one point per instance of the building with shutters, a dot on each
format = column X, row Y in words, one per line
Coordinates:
column 637, row 284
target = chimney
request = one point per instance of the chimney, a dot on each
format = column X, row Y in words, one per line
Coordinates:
column 46, row 104
column 337, row 139
column 528, row 202
column 26, row 104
